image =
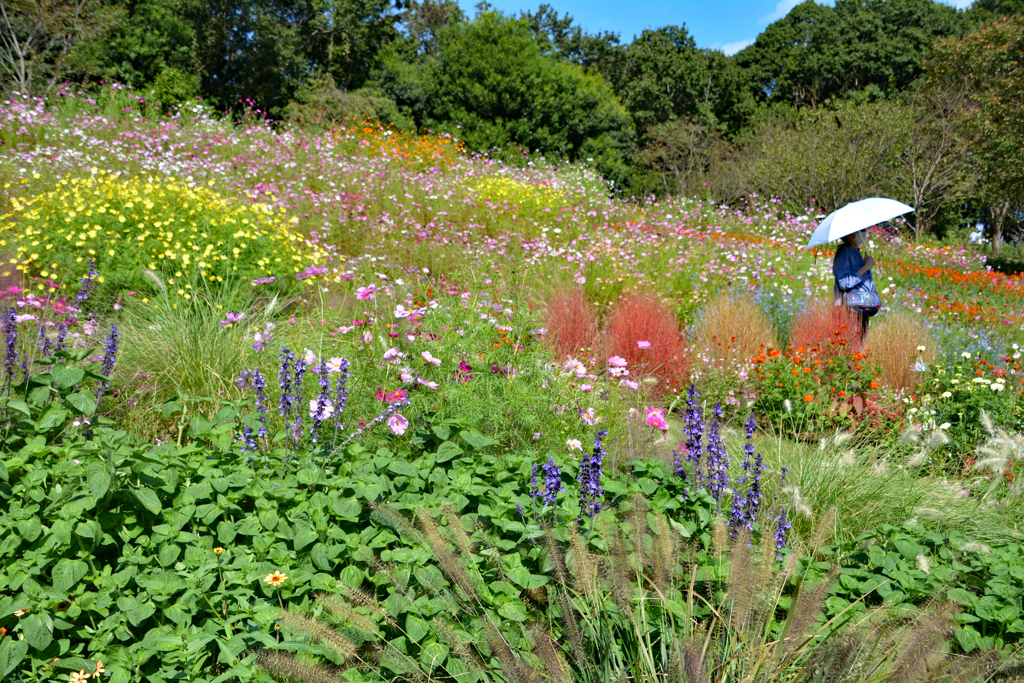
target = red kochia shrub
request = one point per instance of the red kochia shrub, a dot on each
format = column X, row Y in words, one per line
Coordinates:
column 832, row 330
column 571, row 323
column 640, row 317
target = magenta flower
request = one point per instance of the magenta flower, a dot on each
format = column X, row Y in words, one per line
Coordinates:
column 643, row 344
column 364, row 293
column 311, row 271
column 619, row 361
column 264, row 280
column 231, row 319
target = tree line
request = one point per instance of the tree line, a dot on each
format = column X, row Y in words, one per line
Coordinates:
column 909, row 98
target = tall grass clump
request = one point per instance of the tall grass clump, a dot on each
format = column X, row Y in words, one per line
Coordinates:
column 828, row 328
column 571, row 323
column 902, row 348
column 190, row 346
column 732, row 328
column 637, row 611
column 643, row 331
column 128, row 226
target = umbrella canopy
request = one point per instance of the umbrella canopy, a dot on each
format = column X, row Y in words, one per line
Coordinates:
column 856, row 216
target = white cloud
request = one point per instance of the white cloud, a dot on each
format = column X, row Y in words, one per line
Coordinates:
column 732, row 48
column 781, row 10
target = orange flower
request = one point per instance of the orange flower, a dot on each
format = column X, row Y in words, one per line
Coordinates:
column 99, row 669
column 874, row 385
column 275, row 579
column 856, row 367
column 808, row 398
column 795, row 371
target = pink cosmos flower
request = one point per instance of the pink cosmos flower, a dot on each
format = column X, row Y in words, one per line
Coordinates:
column 334, row 364
column 589, row 418
column 264, row 280
column 617, row 362
column 629, row 384
column 367, row 337
column 364, row 293
column 309, row 357
column 401, row 312
column 574, row 444
column 427, row 356
column 643, row 344
column 586, row 387
column 398, row 424
column 392, row 353
column 429, row 385
column 657, row 421
column 327, row 412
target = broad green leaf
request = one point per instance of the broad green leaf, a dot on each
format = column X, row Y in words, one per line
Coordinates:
column 226, row 532
column 404, row 468
column 988, row 607
column 140, row 613
column 67, row 573
column 19, row 406
column 169, row 554
column 161, row 639
column 83, row 402
column 149, row 500
column 268, row 518
column 416, row 628
column 476, row 440
column 348, row 508
column 12, row 651
column 30, row 529
column 447, row 451
column 967, row 637
column 38, row 631
column 65, row 377
column 514, row 609
column 55, row 416
column 99, row 479
column 523, row 577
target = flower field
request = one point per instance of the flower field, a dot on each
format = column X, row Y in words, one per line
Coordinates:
column 359, row 405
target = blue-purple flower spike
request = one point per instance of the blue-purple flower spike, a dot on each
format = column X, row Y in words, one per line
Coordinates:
column 745, row 507
column 10, row 346
column 589, row 478
column 693, row 427
column 552, row 482
column 718, row 459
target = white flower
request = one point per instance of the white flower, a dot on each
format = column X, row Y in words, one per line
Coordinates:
column 946, row 394
column 334, row 364
column 400, row 311
column 309, row 357
column 965, row 354
column 920, row 348
column 945, row 425
column 574, row 444
column 996, row 387
column 392, row 353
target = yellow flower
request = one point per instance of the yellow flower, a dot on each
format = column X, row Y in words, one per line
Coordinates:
column 79, row 677
column 218, row 551
column 99, row 669
column 275, row 579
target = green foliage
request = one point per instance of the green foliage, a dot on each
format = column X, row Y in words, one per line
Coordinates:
column 471, row 90
column 894, row 565
column 817, row 52
column 319, row 102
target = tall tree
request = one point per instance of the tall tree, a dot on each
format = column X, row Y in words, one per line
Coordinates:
column 988, row 66
column 39, row 39
column 817, row 52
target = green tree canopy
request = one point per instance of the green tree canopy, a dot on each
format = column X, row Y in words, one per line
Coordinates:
column 817, row 52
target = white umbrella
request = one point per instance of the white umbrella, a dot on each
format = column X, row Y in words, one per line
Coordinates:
column 856, row 216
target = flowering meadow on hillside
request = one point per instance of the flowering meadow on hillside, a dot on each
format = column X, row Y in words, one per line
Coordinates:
column 255, row 376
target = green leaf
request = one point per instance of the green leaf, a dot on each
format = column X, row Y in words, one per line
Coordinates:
column 404, row 468
column 67, row 573
column 514, row 609
column 477, row 440
column 523, row 577
column 169, row 555
column 149, row 500
column 55, row 416
column 967, row 637
column 161, row 639
column 416, row 628
column 65, row 377
column 83, row 402
column 347, row 508
column 140, row 613
column 12, row 651
column 98, row 477
column 38, row 631
column 20, row 406
column 447, row 451
column 987, row 608
column 268, row 518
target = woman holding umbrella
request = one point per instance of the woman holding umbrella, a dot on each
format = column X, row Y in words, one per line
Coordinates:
column 853, row 274
column 854, row 286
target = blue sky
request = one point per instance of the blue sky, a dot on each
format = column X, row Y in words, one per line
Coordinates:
column 728, row 25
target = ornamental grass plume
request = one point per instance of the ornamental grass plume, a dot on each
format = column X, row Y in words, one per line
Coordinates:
column 571, row 323
column 903, row 349
column 732, row 328
column 826, row 329
column 641, row 317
